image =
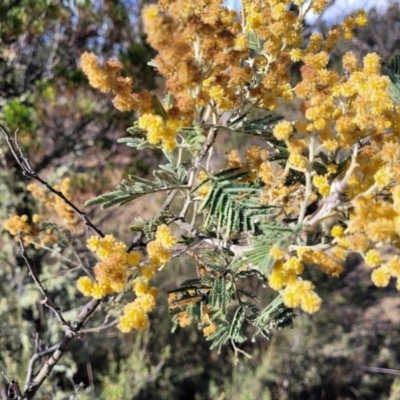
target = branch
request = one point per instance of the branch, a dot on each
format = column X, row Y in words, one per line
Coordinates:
column 212, row 134
column 13, row 390
column 48, row 302
column 32, row 386
column 58, row 350
column 337, row 189
column 28, row 171
column 380, row 370
column 101, row 327
column 34, row 358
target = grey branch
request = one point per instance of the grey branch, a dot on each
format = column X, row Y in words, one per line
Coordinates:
column 32, row 386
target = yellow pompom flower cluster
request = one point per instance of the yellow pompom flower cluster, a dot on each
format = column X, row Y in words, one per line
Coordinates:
column 301, row 294
column 383, row 272
column 354, row 105
column 135, row 314
column 285, row 273
column 331, row 263
column 159, row 249
column 374, row 222
column 322, row 184
column 204, row 189
column 159, row 131
column 32, row 230
column 107, row 78
column 337, row 231
column 112, row 271
column 100, row 78
column 53, row 202
column 207, row 41
column 295, row 291
column 165, row 237
column 283, row 130
column 29, row 230
column 255, row 158
column 17, row 223
column 373, row 258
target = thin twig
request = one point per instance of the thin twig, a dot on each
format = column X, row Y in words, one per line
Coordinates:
column 33, row 385
column 102, row 327
column 34, row 358
column 308, row 174
column 185, row 207
column 28, row 171
column 138, row 242
column 381, row 370
column 55, row 254
column 48, row 302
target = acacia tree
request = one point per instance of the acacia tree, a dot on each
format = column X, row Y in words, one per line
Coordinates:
column 321, row 187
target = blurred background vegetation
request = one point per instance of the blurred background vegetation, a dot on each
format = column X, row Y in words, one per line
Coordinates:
column 349, row 350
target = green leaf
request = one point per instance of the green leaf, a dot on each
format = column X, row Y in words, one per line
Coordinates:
column 137, row 143
column 235, row 330
column 168, row 177
column 254, row 42
column 234, row 206
column 392, row 70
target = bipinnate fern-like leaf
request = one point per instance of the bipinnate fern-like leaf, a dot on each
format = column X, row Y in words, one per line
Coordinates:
column 254, row 42
column 275, row 316
column 229, row 330
column 217, row 290
column 235, row 206
column 236, row 328
column 168, row 177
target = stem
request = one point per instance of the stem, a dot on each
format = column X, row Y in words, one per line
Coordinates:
column 48, row 302
column 308, row 175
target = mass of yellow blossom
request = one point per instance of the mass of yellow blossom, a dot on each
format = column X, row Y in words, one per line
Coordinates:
column 135, row 314
column 34, row 232
column 112, row 271
column 117, row 265
column 344, row 142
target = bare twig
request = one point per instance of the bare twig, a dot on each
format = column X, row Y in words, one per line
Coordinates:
column 13, row 390
column 28, row 171
column 381, row 370
column 138, row 242
column 34, row 358
column 48, row 302
column 55, row 254
column 32, row 385
column 102, row 327
column 185, row 207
